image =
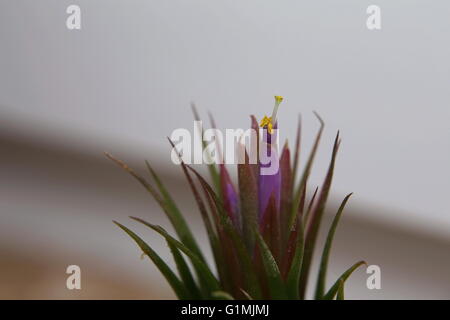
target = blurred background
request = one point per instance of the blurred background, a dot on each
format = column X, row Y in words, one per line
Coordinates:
column 124, row 82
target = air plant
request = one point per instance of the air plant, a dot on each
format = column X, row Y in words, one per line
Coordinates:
column 262, row 232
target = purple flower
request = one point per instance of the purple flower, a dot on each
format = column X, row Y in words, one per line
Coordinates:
column 269, row 172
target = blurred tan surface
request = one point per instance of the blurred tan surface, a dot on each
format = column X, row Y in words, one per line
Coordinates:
column 33, row 277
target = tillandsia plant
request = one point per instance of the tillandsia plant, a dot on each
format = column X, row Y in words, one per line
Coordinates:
column 262, row 232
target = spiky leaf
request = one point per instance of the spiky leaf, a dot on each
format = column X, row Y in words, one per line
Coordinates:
column 177, row 286
column 321, row 279
column 184, row 272
column 207, row 279
column 293, row 277
column 275, row 282
column 166, row 203
column 252, row 284
column 312, row 229
column 334, row 289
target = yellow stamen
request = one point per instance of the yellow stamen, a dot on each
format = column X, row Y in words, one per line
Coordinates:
column 270, row 121
column 278, row 99
column 266, row 121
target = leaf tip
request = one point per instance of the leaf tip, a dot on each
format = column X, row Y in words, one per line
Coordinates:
column 322, row 123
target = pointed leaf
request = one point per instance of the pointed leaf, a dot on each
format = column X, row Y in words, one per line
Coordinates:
column 248, row 192
column 274, row 280
column 251, row 280
column 171, row 278
column 270, row 229
column 204, row 274
column 310, row 206
column 312, row 229
column 166, row 203
column 286, row 193
column 304, row 179
column 297, row 148
column 246, row 295
column 200, row 204
column 293, row 277
column 340, row 294
column 211, row 167
column 219, row 146
column 226, row 258
column 184, row 272
column 222, row 295
column 334, row 289
column 321, row 278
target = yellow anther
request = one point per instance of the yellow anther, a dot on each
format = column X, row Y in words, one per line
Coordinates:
column 278, row 99
column 266, row 121
column 270, row 121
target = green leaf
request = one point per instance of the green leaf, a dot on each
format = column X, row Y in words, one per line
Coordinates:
column 334, row 289
column 293, row 277
column 321, row 279
column 285, row 194
column 226, row 261
column 275, row 282
column 306, row 172
column 222, row 295
column 340, row 294
column 297, row 148
column 216, row 246
column 248, row 193
column 270, row 229
column 171, row 278
column 184, row 272
column 211, row 167
column 246, row 295
column 198, row 200
column 310, row 205
column 316, row 218
column 166, row 203
column 246, row 262
column 204, row 274
column 176, row 218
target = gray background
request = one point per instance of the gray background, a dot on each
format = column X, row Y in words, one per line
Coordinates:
column 125, row 80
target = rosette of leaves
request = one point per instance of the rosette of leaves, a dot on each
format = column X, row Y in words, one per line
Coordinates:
column 262, row 231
